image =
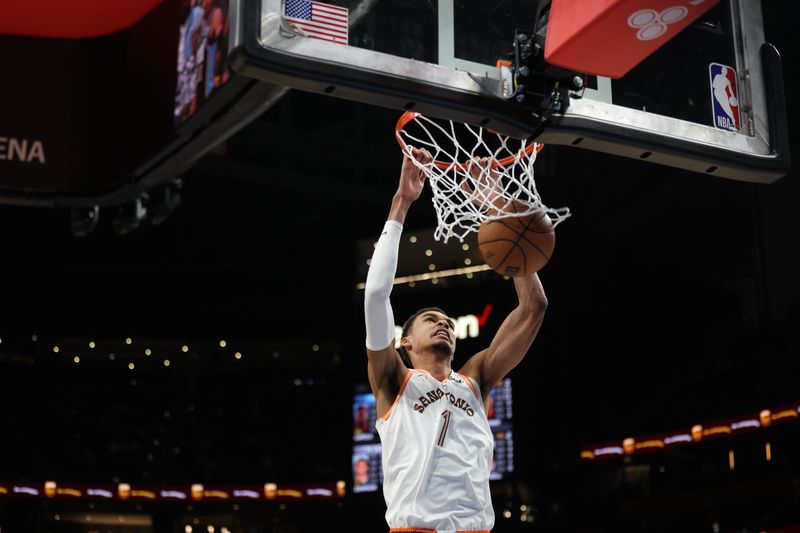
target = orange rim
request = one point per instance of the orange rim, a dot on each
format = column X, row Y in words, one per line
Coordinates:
column 408, row 116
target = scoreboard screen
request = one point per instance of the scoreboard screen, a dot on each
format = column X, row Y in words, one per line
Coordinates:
column 202, row 59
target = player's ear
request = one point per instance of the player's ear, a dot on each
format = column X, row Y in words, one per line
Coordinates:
column 405, row 342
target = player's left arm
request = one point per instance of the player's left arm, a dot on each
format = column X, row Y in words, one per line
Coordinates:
column 514, row 338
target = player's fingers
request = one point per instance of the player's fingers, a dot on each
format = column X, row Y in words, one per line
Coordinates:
column 424, row 156
column 466, row 187
column 475, row 167
column 493, row 172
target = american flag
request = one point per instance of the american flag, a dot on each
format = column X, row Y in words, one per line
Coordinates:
column 317, row 20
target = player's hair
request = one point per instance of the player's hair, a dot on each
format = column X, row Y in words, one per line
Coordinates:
column 407, row 328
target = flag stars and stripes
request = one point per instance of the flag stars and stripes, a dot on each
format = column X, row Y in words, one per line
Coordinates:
column 317, row 20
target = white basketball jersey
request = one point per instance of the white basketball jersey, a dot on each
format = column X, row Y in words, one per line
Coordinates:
column 437, row 456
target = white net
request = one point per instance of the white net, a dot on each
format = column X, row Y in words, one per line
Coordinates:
column 476, row 174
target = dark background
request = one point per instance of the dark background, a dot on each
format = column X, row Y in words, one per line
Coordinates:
column 674, row 299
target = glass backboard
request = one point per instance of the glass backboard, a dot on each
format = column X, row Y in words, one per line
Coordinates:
column 440, row 58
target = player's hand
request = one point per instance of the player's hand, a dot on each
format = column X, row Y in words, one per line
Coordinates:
column 484, row 187
column 412, row 179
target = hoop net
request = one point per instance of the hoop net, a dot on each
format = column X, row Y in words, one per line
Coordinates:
column 466, row 193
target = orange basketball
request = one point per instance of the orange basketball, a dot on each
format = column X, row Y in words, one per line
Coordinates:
column 517, row 246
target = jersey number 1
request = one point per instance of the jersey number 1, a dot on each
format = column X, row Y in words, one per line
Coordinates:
column 446, row 414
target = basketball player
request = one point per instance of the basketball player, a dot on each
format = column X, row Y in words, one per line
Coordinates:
column 437, row 443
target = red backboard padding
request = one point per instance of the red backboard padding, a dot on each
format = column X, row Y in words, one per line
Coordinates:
column 71, row 19
column 610, row 37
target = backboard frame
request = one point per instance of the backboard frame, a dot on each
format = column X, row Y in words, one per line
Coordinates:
column 262, row 46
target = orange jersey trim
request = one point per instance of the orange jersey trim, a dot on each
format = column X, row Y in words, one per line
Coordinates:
column 440, row 381
column 385, row 417
column 471, row 386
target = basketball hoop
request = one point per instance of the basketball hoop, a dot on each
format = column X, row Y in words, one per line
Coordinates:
column 465, row 195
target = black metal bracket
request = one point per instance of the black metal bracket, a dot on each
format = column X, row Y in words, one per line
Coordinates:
column 539, row 87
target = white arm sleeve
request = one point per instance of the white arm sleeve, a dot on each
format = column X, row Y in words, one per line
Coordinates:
column 380, row 279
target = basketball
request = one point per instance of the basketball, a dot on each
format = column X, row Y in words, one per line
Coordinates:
column 517, row 246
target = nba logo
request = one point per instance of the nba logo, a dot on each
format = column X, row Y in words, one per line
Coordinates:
column 724, row 97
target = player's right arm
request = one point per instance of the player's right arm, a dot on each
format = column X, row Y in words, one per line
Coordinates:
column 385, row 369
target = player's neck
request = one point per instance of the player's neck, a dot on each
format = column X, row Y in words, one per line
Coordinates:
column 435, row 365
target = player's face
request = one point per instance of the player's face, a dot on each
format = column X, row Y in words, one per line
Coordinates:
column 436, row 330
